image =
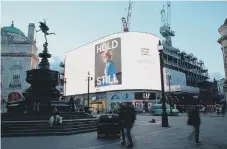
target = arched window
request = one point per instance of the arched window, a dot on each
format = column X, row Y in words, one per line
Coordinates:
column 14, row 96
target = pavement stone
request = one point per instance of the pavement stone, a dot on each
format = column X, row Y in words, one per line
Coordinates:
column 149, row 136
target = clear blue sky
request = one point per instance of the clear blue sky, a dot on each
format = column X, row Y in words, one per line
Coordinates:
column 76, row 23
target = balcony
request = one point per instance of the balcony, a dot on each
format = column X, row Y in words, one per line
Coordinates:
column 14, row 86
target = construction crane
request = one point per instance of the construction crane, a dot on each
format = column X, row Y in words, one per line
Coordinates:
column 165, row 29
column 126, row 23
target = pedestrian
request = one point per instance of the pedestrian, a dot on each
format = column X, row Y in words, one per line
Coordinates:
column 204, row 110
column 223, row 109
column 181, row 109
column 127, row 116
column 72, row 105
column 195, row 121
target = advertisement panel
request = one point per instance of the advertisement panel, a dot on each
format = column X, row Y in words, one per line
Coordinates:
column 108, row 63
column 177, row 82
column 115, row 98
column 177, row 77
column 122, row 61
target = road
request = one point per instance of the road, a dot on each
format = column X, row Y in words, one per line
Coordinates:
column 145, row 136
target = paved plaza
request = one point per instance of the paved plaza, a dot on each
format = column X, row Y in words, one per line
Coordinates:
column 145, row 136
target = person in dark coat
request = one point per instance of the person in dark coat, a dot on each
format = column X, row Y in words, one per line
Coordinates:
column 72, row 105
column 223, row 109
column 194, row 120
column 127, row 116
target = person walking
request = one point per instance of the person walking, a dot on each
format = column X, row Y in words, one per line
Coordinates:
column 195, row 121
column 127, row 116
column 223, row 109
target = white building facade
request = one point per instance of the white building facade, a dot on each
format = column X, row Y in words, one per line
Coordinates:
column 18, row 54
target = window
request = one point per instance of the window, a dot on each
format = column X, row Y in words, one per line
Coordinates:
column 15, row 82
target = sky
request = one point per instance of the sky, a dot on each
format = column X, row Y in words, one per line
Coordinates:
column 77, row 23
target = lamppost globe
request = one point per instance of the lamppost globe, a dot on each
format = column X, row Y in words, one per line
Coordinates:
column 160, row 46
column 169, row 76
column 61, row 77
column 89, row 76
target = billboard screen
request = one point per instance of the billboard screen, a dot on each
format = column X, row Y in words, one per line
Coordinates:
column 122, row 61
column 108, row 63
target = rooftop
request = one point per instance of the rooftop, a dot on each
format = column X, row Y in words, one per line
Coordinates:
column 14, row 30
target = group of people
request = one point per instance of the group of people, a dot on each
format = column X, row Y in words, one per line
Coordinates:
column 127, row 116
column 219, row 109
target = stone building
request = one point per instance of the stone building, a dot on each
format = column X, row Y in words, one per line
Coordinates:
column 220, row 85
column 18, row 54
column 223, row 41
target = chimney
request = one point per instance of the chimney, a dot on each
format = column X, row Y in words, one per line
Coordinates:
column 31, row 31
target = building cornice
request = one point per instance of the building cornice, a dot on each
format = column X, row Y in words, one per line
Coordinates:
column 222, row 27
column 222, row 38
column 19, row 55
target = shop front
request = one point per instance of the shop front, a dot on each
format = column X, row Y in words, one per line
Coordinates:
column 98, row 103
column 145, row 99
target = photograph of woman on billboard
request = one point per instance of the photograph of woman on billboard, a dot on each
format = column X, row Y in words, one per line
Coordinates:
column 108, row 63
column 110, row 69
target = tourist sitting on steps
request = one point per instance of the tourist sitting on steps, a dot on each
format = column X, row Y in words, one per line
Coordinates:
column 55, row 118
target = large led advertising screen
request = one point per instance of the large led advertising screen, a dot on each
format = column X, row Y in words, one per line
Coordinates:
column 122, row 61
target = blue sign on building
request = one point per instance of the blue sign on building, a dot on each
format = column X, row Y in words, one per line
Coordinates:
column 115, row 97
column 118, row 97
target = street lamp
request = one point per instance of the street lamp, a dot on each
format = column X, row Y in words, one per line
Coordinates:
column 170, row 99
column 165, row 122
column 65, row 85
column 89, row 78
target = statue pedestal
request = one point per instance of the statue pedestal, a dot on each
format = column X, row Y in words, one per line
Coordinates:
column 42, row 93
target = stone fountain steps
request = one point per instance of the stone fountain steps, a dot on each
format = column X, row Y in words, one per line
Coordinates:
column 38, row 128
column 50, row 133
column 23, row 117
column 32, row 118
